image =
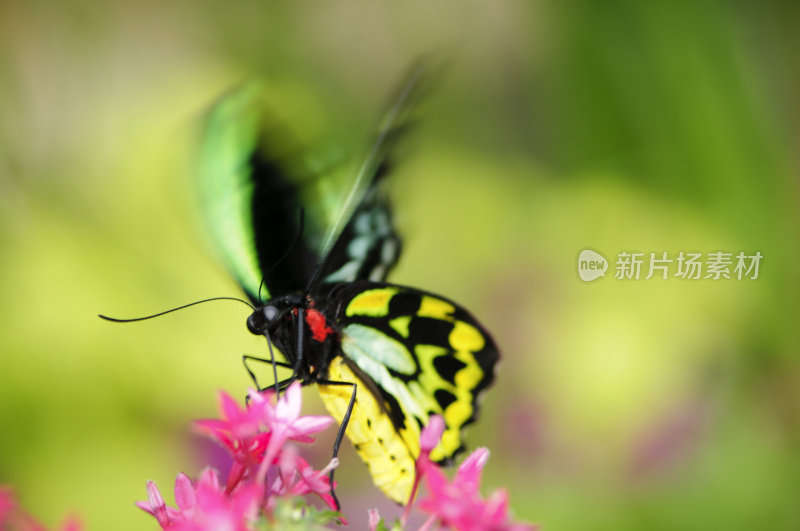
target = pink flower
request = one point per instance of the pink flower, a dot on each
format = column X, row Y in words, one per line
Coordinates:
column 205, row 506
column 239, row 432
column 285, row 423
column 166, row 516
column 431, row 435
column 373, row 519
column 240, row 429
column 298, row 478
column 458, row 504
column 215, row 508
column 265, row 467
column 428, row 439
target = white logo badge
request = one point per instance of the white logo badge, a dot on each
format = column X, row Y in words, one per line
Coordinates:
column 591, row 265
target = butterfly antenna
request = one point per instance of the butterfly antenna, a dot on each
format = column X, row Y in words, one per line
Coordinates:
column 285, row 255
column 261, row 285
column 115, row 320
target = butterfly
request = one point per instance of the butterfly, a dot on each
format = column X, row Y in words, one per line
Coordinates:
column 311, row 245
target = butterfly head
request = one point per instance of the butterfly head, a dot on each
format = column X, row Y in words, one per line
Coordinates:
column 270, row 316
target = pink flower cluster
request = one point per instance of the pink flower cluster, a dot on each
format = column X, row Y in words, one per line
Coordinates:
column 458, row 504
column 265, row 468
column 267, row 471
column 268, row 476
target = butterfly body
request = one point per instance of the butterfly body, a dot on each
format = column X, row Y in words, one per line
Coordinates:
column 386, row 357
column 308, row 346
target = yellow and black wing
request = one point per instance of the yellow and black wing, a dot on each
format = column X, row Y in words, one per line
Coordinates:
column 411, row 354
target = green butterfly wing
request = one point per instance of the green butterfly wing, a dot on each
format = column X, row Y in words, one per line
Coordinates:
column 254, row 177
column 259, row 181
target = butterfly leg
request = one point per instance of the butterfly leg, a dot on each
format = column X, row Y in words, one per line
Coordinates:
column 342, row 428
column 298, row 362
column 275, row 364
column 278, row 385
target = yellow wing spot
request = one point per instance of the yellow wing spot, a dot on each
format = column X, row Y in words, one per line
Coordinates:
column 466, row 337
column 457, row 413
column 426, row 353
column 451, row 440
column 400, row 325
column 373, row 302
column 388, row 455
column 437, row 454
column 469, row 376
column 435, row 308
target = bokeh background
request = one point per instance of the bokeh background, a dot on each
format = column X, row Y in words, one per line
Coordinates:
column 557, row 126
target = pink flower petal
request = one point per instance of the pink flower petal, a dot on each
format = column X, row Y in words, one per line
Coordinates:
column 431, row 433
column 288, row 407
column 209, row 478
column 496, row 508
column 373, row 519
column 246, row 501
column 228, row 406
column 468, row 477
column 185, row 497
column 236, row 474
column 429, row 438
column 310, row 424
column 156, row 505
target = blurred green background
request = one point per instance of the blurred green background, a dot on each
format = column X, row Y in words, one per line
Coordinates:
column 557, row 126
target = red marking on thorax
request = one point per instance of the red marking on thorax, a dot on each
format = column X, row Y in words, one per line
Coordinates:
column 316, row 322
